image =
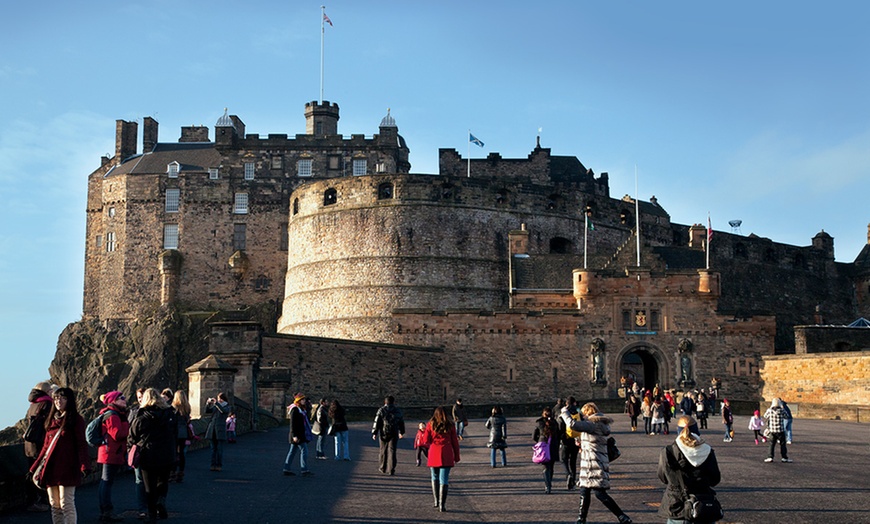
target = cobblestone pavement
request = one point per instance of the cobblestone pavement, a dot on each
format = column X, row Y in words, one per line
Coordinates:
column 827, row 482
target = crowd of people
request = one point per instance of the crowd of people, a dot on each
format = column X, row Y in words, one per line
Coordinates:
column 152, row 437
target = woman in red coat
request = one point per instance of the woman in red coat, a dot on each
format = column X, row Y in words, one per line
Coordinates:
column 66, row 456
column 443, row 443
column 112, row 455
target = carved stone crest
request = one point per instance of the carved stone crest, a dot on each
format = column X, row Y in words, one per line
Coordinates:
column 685, row 345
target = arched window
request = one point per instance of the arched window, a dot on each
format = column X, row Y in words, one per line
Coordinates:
column 501, row 197
column 330, row 196
column 554, row 202
column 560, row 246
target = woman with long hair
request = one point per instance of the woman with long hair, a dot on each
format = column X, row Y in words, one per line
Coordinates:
column 547, row 430
column 339, row 429
column 594, row 474
column 440, row 435
column 688, row 466
column 182, row 413
column 65, row 452
column 154, row 432
column 497, row 426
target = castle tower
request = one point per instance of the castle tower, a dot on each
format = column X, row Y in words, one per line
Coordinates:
column 824, row 242
column 321, row 119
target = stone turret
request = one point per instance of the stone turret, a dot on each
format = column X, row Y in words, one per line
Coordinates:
column 321, row 119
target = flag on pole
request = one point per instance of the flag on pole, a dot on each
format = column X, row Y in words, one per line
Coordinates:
column 327, row 20
column 589, row 225
column 709, row 230
column 474, row 140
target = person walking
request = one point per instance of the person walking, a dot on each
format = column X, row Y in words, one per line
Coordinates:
column 460, row 418
column 183, row 435
column 320, row 427
column 300, row 436
column 775, row 417
column 65, row 453
column 388, row 428
column 154, row 432
column 756, row 424
column 420, row 446
column 594, row 464
column 547, row 430
column 443, row 444
column 34, row 438
column 112, row 455
column 339, row 430
column 727, row 420
column 701, row 410
column 497, row 425
column 569, row 450
column 686, row 467
column 633, row 409
column 216, row 432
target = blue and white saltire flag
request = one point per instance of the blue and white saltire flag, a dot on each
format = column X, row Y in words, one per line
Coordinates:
column 474, row 140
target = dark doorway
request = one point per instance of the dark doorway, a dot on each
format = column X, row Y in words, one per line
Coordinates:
column 640, row 365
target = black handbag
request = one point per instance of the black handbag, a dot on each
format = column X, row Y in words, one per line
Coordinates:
column 702, row 507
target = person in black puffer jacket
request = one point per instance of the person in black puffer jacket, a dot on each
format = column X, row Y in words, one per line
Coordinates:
column 688, row 466
column 154, row 430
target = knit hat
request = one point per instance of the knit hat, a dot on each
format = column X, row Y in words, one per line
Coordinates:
column 110, row 397
column 757, row 413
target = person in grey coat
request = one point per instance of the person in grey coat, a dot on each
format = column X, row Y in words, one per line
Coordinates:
column 497, row 426
column 216, row 433
column 594, row 471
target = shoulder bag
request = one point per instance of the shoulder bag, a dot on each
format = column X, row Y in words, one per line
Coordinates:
column 541, row 452
column 38, row 473
column 700, row 507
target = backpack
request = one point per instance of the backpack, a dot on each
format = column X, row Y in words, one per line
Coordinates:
column 613, row 452
column 35, row 432
column 94, row 432
column 390, row 424
column 570, row 433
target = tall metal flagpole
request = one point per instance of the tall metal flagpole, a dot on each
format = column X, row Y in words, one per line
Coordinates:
column 585, row 235
column 637, row 215
column 468, row 155
column 322, row 31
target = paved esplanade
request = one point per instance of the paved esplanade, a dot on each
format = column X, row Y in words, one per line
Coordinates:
column 829, row 481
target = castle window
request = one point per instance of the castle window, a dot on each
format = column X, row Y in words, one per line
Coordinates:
column 283, row 241
column 330, row 196
column 111, row 212
column 295, row 206
column 99, row 241
column 385, row 191
column 626, row 319
column 172, row 198
column 170, row 236
column 554, row 202
column 110, row 242
column 239, row 237
column 501, row 197
column 213, row 173
column 249, row 170
column 303, row 167
column 240, row 204
column 277, row 161
column 560, row 245
column 172, row 169
column 359, row 166
column 262, row 283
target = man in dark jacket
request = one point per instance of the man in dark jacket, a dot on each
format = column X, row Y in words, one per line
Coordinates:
column 40, row 405
column 390, row 427
column 300, row 435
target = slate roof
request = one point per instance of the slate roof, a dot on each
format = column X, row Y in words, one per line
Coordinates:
column 191, row 156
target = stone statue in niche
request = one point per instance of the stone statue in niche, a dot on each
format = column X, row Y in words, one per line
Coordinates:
column 598, row 375
column 685, row 347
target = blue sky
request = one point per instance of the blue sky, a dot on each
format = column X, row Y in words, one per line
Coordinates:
column 746, row 110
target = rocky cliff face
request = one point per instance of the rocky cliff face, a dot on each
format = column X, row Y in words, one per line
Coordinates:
column 93, row 358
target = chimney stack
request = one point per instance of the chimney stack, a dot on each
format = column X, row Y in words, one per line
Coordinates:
column 125, row 139
column 149, row 134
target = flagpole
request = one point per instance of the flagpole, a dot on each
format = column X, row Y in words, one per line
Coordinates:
column 585, row 235
column 468, row 155
column 637, row 215
column 322, row 32
column 709, row 230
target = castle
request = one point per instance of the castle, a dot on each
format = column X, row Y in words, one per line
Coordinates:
column 482, row 281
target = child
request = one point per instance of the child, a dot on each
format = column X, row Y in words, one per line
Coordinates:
column 755, row 424
column 231, row 428
column 420, row 443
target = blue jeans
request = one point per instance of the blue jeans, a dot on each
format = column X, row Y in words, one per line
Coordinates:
column 141, row 500
column 110, row 471
column 460, row 428
column 342, row 451
column 727, row 431
column 302, row 449
column 320, row 440
column 675, row 521
column 442, row 475
column 787, row 423
column 492, row 457
column 217, row 453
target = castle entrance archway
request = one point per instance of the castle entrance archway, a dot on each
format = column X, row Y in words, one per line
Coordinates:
column 641, row 364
